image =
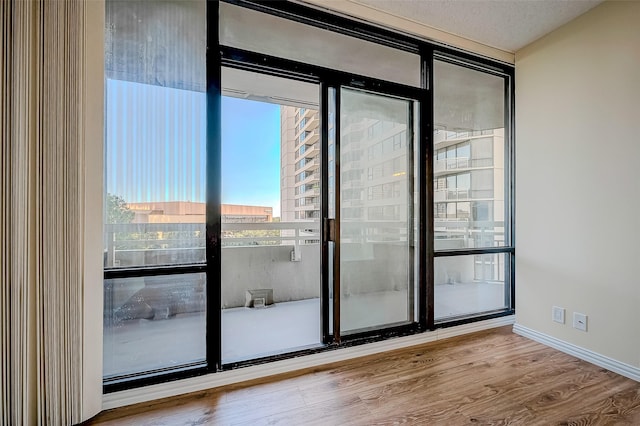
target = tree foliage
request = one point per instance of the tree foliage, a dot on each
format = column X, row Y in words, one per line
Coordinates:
column 117, row 210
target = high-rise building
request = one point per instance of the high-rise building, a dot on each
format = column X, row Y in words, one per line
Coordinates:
column 374, row 167
column 300, row 164
column 469, row 207
column 469, row 188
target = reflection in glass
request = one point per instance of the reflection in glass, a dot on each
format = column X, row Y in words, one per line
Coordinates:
column 313, row 45
column 154, row 133
column 375, row 211
column 154, row 198
column 468, row 285
column 469, row 148
column 153, row 322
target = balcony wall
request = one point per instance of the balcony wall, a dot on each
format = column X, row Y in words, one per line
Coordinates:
column 254, row 262
column 246, row 268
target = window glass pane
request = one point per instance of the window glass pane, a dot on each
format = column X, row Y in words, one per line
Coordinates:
column 375, row 264
column 259, row 32
column 463, row 210
column 451, row 210
column 470, row 285
column 155, row 133
column 463, row 151
column 154, row 183
column 464, row 181
column 482, row 152
column 469, row 118
column 153, row 322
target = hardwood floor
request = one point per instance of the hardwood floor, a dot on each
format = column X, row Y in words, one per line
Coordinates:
column 492, row 377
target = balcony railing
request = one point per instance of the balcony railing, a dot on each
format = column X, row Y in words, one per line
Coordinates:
column 451, row 194
column 455, row 233
column 460, row 163
column 144, row 244
column 149, row 244
column 451, row 164
column 310, row 192
column 447, row 135
column 310, row 164
column 308, row 123
column 290, row 253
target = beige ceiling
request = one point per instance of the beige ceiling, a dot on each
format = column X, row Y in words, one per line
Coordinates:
column 508, row 25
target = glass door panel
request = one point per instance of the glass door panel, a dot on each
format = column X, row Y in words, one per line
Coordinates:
column 375, row 211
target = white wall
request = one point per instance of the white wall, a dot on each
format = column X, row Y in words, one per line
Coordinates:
column 578, row 181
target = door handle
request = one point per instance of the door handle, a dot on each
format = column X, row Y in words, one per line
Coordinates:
column 329, row 229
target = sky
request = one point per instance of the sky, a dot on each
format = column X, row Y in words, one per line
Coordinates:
column 155, row 147
column 251, row 153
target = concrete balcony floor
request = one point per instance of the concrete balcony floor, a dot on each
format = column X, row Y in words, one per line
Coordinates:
column 140, row 345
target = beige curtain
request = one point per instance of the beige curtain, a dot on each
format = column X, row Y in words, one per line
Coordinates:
column 42, row 211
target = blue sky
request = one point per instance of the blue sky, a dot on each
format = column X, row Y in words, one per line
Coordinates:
column 156, row 146
column 251, row 153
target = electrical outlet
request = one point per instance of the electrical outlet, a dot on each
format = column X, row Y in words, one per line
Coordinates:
column 557, row 314
column 580, row 321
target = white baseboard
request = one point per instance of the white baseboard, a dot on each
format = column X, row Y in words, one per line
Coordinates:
column 179, row 387
column 579, row 352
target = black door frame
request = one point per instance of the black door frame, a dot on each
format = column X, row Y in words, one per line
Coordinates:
column 217, row 56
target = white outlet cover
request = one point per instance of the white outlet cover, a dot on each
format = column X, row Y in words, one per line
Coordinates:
column 579, row 321
column 557, row 314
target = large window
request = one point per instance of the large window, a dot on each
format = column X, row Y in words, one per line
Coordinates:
column 271, row 200
column 472, row 183
column 154, row 245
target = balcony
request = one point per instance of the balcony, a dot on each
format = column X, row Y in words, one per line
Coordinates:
column 441, row 136
column 142, row 313
column 310, row 206
column 313, row 150
column 311, row 192
column 308, row 137
column 350, row 165
column 310, row 123
column 451, row 194
column 310, row 164
column 451, row 164
column 352, row 202
column 352, row 184
column 312, row 137
column 306, row 178
column 446, row 165
column 455, row 233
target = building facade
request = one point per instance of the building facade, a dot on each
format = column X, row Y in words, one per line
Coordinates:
column 300, row 164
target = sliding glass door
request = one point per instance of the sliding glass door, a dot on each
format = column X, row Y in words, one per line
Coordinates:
column 374, row 259
column 279, row 181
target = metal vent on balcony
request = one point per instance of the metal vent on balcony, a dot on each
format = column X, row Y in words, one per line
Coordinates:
column 259, row 298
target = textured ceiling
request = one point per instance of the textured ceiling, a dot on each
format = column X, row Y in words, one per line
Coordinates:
column 505, row 24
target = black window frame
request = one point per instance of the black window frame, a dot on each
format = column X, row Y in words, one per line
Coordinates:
column 219, row 56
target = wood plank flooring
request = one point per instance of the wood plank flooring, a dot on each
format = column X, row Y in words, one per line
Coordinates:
column 493, row 377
